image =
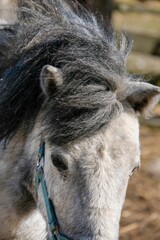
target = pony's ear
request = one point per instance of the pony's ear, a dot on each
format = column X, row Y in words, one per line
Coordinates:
column 143, row 96
column 51, row 79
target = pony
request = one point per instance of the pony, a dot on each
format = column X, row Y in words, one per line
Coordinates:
column 65, row 92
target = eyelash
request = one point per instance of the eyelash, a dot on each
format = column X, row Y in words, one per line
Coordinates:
column 136, row 168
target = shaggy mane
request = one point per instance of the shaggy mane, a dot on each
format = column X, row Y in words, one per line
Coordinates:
column 67, row 36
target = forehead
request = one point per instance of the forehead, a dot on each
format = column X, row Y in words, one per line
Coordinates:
column 120, row 134
column 125, row 126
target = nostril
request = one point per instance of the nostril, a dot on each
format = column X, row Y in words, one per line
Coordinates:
column 59, row 162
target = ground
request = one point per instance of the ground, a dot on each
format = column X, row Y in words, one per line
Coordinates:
column 141, row 213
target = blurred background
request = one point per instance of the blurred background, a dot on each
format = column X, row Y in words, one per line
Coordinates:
column 141, row 19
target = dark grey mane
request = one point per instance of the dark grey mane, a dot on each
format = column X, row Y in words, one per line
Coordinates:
column 67, row 36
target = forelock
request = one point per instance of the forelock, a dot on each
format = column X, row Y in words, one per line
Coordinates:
column 65, row 35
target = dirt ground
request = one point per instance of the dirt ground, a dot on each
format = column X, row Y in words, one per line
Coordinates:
column 141, row 214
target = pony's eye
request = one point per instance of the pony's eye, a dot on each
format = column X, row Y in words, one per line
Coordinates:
column 59, row 162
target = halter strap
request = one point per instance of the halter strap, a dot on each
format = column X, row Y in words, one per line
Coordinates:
column 40, row 180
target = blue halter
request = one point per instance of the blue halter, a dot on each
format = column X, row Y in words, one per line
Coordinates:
column 52, row 219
